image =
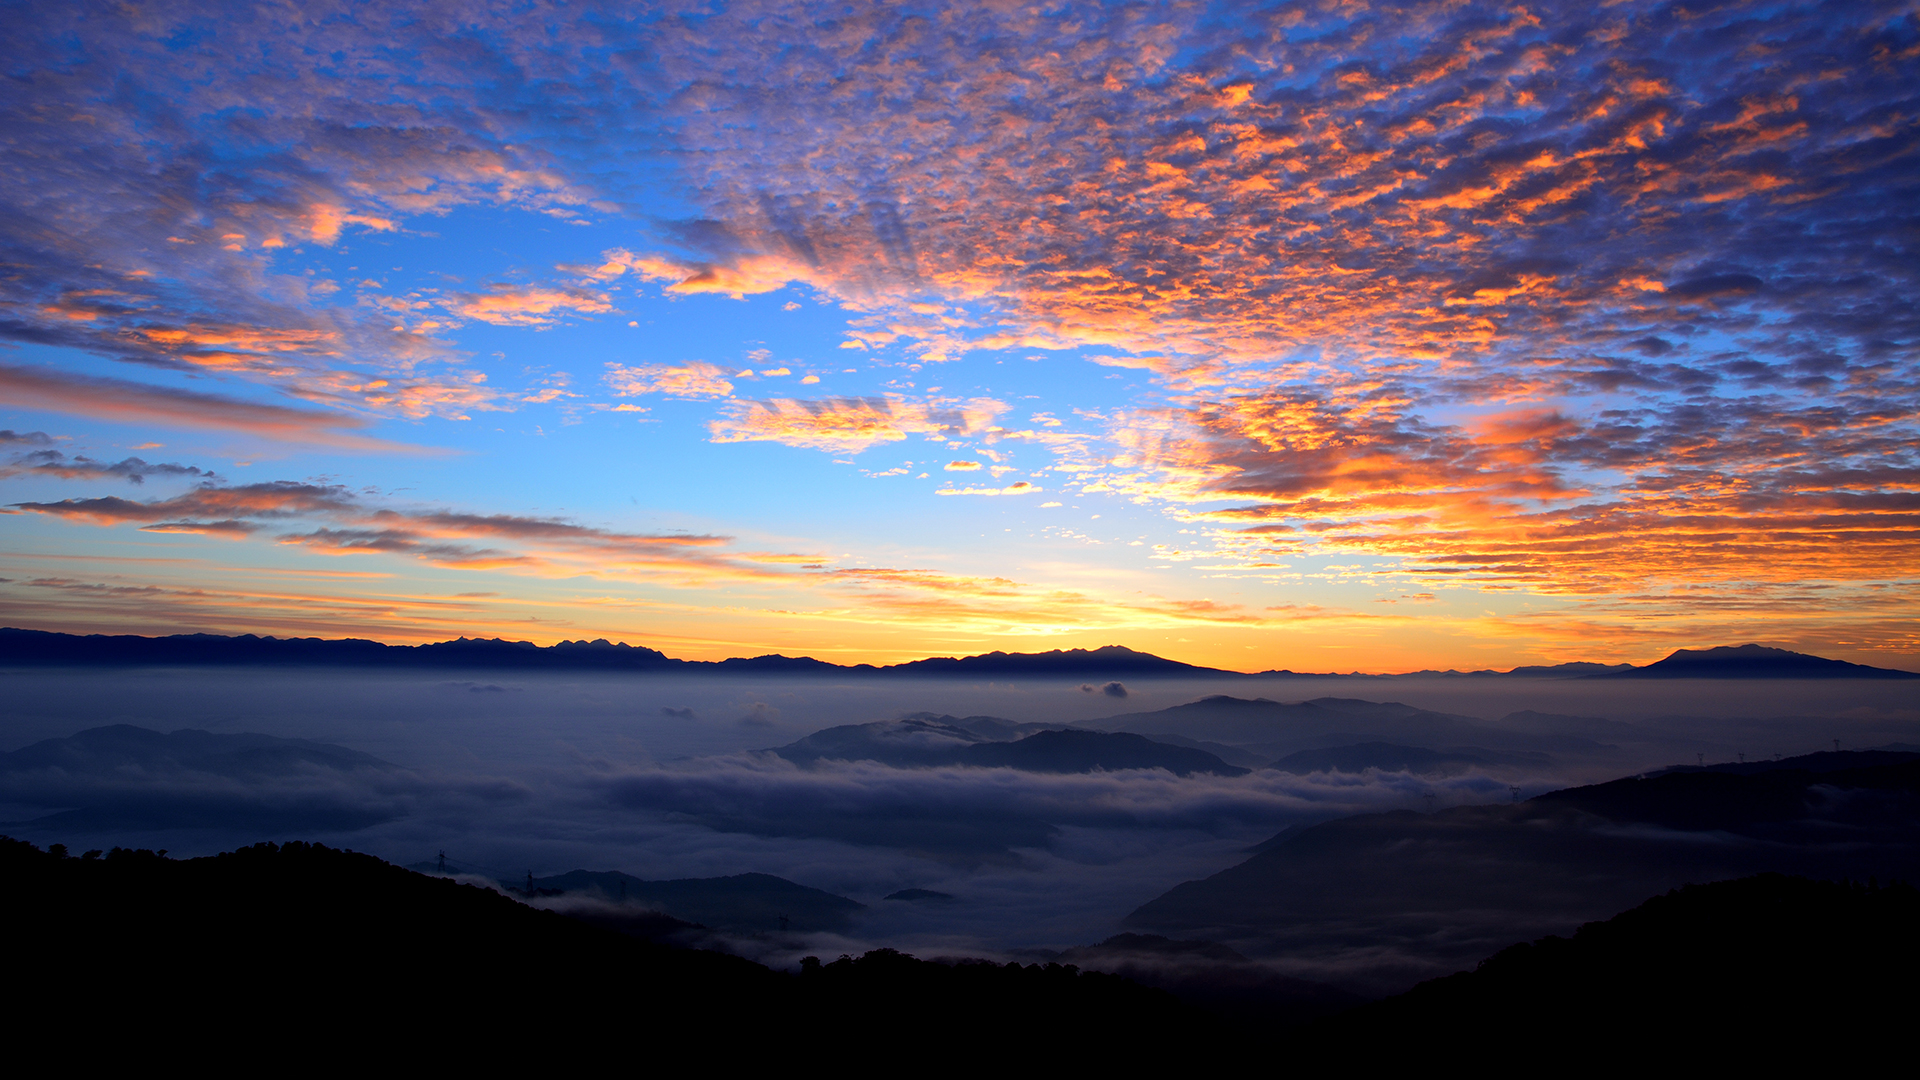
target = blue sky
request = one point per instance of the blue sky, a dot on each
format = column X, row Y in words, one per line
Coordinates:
column 1319, row 337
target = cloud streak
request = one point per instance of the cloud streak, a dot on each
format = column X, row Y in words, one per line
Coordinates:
column 140, row 403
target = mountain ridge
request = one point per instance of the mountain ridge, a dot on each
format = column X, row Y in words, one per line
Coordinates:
column 21, row 646
column 1752, row 661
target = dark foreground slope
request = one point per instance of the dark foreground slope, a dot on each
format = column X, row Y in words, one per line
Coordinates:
column 289, row 955
column 1377, row 902
column 1768, row 966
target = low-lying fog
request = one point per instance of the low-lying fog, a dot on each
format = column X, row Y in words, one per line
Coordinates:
column 662, row 776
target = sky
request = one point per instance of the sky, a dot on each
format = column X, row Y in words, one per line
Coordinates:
column 1319, row 336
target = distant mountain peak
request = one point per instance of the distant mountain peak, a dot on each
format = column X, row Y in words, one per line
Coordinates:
column 1752, row 661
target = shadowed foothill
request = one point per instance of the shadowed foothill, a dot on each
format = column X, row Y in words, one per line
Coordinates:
column 371, row 954
column 1765, row 969
column 752, row 903
column 1375, row 902
column 364, row 957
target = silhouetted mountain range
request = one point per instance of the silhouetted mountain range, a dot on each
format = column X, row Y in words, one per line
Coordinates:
column 1274, row 729
column 754, row 903
column 1751, row 662
column 42, row 648
column 1423, row 892
column 1085, row 751
column 1561, row 671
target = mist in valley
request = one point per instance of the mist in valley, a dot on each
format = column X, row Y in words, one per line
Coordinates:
column 684, row 776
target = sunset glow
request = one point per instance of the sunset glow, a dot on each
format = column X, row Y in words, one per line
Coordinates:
column 1322, row 336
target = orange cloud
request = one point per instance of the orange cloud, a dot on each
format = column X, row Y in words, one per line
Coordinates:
column 1017, row 488
column 739, row 279
column 850, row 425
column 128, row 402
column 689, row 380
column 346, row 525
column 528, row 305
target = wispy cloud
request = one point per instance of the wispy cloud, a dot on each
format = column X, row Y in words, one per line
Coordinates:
column 131, row 402
column 497, row 541
column 527, row 305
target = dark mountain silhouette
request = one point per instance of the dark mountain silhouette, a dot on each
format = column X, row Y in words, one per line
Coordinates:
column 1576, row 667
column 1108, row 660
column 907, row 743
column 1807, row 966
column 1289, row 726
column 1535, row 671
column 300, row 949
column 919, row 895
column 1826, row 761
column 987, row 727
column 1232, row 755
column 754, row 903
column 40, row 648
column 1392, row 757
column 1286, row 673
column 1417, row 893
column 1085, row 751
column 126, row 777
column 1789, row 801
column 925, row 743
column 1752, row 662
